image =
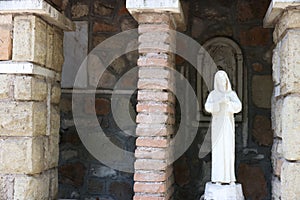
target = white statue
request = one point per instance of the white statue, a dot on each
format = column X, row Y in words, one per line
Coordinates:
column 222, row 103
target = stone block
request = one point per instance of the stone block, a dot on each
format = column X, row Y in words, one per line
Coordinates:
column 54, row 121
column 58, row 52
column 291, row 127
column 154, row 72
column 5, row 82
column 5, row 37
column 30, row 88
column 276, row 117
column 262, row 87
column 79, row 10
column 6, row 187
column 29, row 39
column 289, row 62
column 51, row 153
column 32, row 187
column 53, row 192
column 290, row 180
column 276, row 188
column 21, row 155
column 55, row 94
column 22, row 119
column 154, row 18
column 49, row 56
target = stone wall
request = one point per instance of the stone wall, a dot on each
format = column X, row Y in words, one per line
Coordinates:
column 81, row 176
column 31, row 62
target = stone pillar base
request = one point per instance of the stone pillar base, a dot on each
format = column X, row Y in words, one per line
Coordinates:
column 223, row 192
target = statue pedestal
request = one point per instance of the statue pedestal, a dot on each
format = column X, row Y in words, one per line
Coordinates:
column 223, row 192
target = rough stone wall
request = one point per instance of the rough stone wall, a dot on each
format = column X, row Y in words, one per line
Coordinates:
column 82, row 176
column 240, row 20
column 31, row 60
column 285, row 107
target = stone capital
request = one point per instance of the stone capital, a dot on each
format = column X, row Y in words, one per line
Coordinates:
column 136, row 7
column 40, row 8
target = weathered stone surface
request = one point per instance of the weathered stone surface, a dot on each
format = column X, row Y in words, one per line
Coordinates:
column 49, row 56
column 26, row 154
column 291, row 127
column 79, row 10
column 253, row 181
column 262, row 87
column 255, row 36
column 30, row 88
column 5, row 37
column 51, row 152
column 262, row 130
column 276, row 117
column 276, row 188
column 58, row 51
column 289, row 62
column 32, row 187
column 5, row 82
column 30, row 39
column 54, row 121
column 55, row 94
column 22, row 119
column 290, row 180
column 53, row 183
column 6, row 187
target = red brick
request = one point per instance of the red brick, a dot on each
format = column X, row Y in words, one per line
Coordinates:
column 154, row 130
column 153, row 188
column 152, row 142
column 155, row 84
column 5, row 37
column 155, row 60
column 156, row 47
column 150, row 164
column 153, row 18
column 103, row 27
column 154, row 72
column 144, row 28
column 147, row 197
column 156, row 96
column 151, row 153
column 155, row 107
column 256, row 36
column 155, row 119
column 152, row 176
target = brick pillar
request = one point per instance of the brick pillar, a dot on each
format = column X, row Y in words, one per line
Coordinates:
column 284, row 16
column 31, row 57
column 156, row 113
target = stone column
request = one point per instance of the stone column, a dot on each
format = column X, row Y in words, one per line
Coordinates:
column 156, row 114
column 284, row 16
column 31, row 54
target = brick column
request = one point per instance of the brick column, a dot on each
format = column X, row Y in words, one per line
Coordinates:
column 31, row 54
column 156, row 113
column 284, row 16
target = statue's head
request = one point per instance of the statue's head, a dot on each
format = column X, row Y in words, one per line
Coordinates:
column 221, row 82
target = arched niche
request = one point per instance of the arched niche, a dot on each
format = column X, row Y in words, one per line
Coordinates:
column 227, row 56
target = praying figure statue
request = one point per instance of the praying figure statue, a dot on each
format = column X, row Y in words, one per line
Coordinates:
column 222, row 103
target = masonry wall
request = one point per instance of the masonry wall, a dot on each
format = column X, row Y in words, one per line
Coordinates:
column 82, row 176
